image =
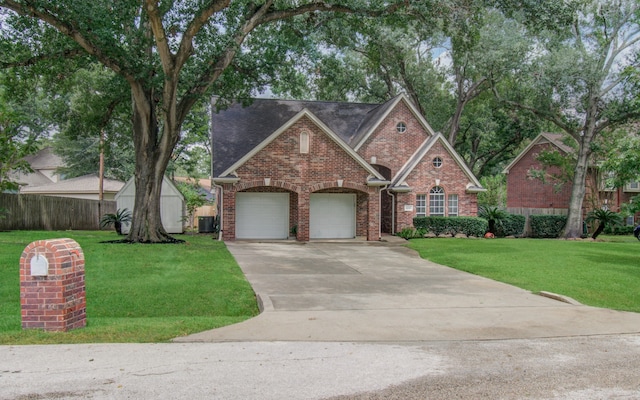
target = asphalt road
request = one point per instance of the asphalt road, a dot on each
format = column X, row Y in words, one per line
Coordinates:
column 596, row 367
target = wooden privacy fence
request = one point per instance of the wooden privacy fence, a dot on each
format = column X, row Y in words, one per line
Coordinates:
column 34, row 212
column 535, row 211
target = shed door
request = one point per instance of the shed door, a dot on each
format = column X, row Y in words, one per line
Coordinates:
column 332, row 216
column 262, row 215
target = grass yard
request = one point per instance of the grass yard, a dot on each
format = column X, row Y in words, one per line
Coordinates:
column 135, row 293
column 604, row 273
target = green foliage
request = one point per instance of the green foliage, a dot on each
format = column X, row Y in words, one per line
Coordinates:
column 411, row 233
column 632, row 207
column 194, row 198
column 547, row 226
column 18, row 138
column 511, row 225
column 135, row 293
column 618, row 230
column 470, row 226
column 604, row 218
column 600, row 274
column 122, row 216
column 496, row 194
column 494, row 216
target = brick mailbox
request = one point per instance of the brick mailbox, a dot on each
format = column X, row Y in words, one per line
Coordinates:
column 52, row 286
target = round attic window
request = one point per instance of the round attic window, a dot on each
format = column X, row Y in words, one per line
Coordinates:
column 437, row 162
column 401, row 127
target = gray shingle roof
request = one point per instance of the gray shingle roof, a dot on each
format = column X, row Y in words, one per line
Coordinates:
column 82, row 184
column 237, row 129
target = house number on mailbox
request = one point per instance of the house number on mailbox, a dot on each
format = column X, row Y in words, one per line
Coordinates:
column 39, row 266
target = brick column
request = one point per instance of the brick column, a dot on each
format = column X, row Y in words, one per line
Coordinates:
column 52, row 285
column 303, row 215
column 373, row 226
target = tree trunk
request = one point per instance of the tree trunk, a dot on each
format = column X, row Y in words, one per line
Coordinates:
column 573, row 228
column 153, row 153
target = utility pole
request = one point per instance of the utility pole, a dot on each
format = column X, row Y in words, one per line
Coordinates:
column 101, row 173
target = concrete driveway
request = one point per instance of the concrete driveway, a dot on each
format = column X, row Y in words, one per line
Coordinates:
column 384, row 292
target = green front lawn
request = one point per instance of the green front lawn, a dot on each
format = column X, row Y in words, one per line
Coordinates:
column 135, row 293
column 602, row 273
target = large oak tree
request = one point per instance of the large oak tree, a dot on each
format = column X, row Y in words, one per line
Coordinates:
column 171, row 54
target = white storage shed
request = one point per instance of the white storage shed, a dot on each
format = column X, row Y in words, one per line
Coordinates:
column 172, row 205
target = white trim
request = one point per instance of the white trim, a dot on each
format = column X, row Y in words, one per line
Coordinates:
column 412, row 108
column 537, row 141
column 304, row 113
column 422, row 152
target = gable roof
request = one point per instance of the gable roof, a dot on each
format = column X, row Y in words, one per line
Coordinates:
column 554, row 139
column 239, row 129
column 82, row 184
column 44, row 159
column 374, row 120
column 398, row 181
column 326, row 129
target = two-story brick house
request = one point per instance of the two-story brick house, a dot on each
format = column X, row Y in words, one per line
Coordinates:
column 316, row 170
column 527, row 194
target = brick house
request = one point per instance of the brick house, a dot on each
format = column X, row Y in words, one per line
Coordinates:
column 526, row 192
column 317, row 170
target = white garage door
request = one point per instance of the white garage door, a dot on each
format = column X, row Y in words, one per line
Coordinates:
column 262, row 215
column 333, row 216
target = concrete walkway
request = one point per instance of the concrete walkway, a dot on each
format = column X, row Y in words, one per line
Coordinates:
column 384, row 292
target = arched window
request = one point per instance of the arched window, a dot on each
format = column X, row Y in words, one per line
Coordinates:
column 436, row 201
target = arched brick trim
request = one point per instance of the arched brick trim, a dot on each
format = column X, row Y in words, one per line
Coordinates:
column 345, row 185
column 243, row 186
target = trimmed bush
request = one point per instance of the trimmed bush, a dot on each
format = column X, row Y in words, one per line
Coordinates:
column 619, row 230
column 512, row 225
column 470, row 226
column 547, row 226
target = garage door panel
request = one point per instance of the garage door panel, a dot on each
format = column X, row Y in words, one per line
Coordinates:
column 262, row 215
column 333, row 216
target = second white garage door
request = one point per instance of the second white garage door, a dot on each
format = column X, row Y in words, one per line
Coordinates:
column 262, row 215
column 332, row 216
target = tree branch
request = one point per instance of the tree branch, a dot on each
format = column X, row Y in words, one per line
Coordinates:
column 43, row 14
column 186, row 44
column 160, row 37
column 68, row 53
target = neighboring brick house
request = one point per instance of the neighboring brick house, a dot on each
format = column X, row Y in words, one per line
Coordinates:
column 318, row 170
column 526, row 192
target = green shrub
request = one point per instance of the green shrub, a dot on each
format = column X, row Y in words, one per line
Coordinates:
column 512, row 225
column 547, row 226
column 619, row 230
column 470, row 226
column 410, row 233
column 473, row 226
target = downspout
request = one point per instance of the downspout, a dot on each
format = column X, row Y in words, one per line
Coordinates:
column 220, row 210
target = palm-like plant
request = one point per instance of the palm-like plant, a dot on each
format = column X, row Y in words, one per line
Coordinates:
column 604, row 218
column 120, row 217
column 493, row 215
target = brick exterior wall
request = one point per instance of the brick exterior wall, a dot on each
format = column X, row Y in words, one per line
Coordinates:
column 317, row 171
column 55, row 301
column 527, row 192
column 391, row 148
column 450, row 176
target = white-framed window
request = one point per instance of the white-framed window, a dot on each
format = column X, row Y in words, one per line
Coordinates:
column 436, row 201
column 304, row 142
column 453, row 205
column 437, row 162
column 633, row 187
column 421, row 205
column 401, row 127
